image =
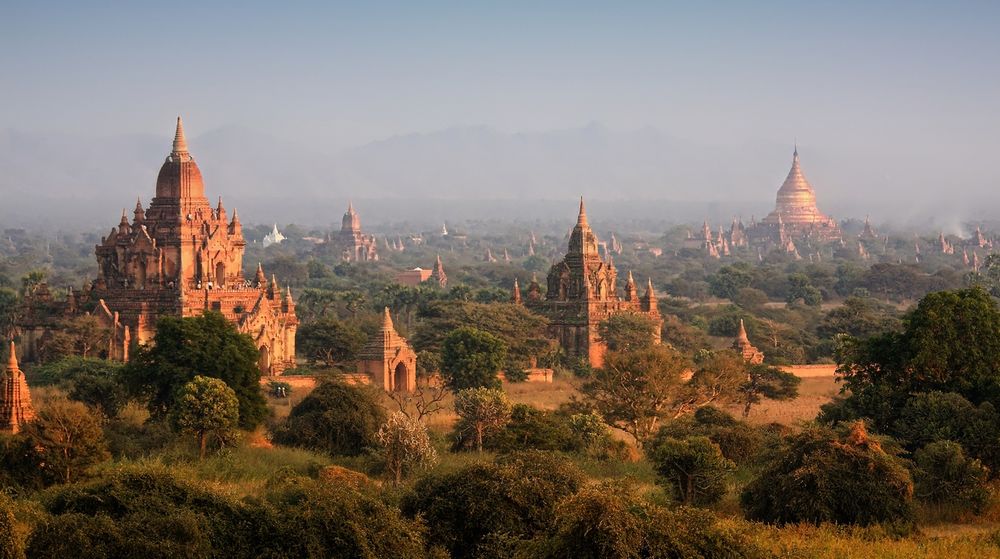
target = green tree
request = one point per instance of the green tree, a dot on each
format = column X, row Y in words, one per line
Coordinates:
column 524, row 332
column 95, row 382
column 329, row 341
column 206, row 407
column 821, row 475
column 767, row 382
column 635, row 390
column 67, row 440
column 471, row 358
column 627, row 331
column 727, row 282
column 208, row 345
column 336, row 418
column 859, row 317
column 950, row 343
column 404, row 446
column 693, row 468
column 799, row 287
column 10, row 312
column 482, row 412
column 493, row 505
column 943, row 474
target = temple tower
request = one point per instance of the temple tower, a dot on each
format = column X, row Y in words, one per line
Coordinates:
column 15, row 409
column 743, row 346
column 389, row 360
column 582, row 292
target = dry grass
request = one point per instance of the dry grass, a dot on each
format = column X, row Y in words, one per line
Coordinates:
column 813, row 393
column 833, row 542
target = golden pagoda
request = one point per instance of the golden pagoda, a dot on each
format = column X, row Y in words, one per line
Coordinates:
column 795, row 212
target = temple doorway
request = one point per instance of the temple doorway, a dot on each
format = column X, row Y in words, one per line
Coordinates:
column 399, row 378
column 264, row 360
column 220, row 275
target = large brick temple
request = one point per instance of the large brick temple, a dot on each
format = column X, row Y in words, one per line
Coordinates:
column 181, row 257
column 582, row 292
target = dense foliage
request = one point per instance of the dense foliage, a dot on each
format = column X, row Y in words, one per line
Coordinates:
column 208, row 345
column 336, row 418
column 821, row 475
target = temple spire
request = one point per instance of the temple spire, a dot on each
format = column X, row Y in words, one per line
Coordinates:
column 387, row 320
column 12, row 358
column 516, row 293
column 741, row 335
column 582, row 218
column 180, row 144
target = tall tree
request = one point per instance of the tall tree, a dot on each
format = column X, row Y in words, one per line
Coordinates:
column 67, row 439
column 482, row 412
column 206, row 407
column 471, row 358
column 627, row 331
column 635, row 390
column 207, row 345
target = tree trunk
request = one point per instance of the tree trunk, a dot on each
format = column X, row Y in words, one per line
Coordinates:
column 202, row 443
column 746, row 409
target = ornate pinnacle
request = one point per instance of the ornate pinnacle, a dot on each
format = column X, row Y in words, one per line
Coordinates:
column 180, row 144
column 582, row 218
column 386, row 320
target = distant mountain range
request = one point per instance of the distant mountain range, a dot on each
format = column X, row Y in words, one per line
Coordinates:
column 52, row 179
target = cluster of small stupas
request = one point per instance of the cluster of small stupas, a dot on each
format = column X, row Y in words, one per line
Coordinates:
column 582, row 292
column 182, row 257
column 796, row 219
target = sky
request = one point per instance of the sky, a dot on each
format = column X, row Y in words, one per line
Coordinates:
column 912, row 87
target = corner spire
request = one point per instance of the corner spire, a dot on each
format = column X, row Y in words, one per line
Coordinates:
column 12, row 358
column 387, row 320
column 180, row 144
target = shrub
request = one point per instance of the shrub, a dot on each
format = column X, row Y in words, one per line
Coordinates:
column 11, row 546
column 404, row 445
column 943, row 474
column 532, row 428
column 334, row 418
column 482, row 412
column 317, row 519
column 738, row 440
column 611, row 522
column 694, row 469
column 516, row 495
column 146, row 512
column 821, row 475
column 936, row 416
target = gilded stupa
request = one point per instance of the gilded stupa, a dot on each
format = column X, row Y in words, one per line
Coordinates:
column 795, row 212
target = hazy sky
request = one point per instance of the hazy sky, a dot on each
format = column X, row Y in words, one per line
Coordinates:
column 907, row 81
column 336, row 74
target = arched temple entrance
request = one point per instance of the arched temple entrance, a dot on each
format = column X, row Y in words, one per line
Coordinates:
column 264, row 360
column 140, row 274
column 399, row 377
column 220, row 275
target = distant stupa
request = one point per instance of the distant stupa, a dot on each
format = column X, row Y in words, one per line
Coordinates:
column 795, row 208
